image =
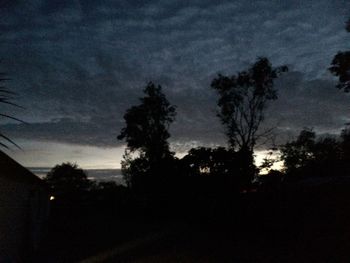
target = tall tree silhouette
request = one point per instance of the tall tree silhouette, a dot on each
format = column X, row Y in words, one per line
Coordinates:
column 243, row 99
column 146, row 133
column 340, row 66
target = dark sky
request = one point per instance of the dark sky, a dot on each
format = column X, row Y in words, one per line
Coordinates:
column 78, row 65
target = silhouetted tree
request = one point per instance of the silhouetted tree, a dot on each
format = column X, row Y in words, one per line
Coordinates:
column 198, row 161
column 268, row 161
column 308, row 156
column 347, row 25
column 298, row 153
column 211, row 161
column 271, row 181
column 221, row 164
column 332, row 155
column 67, row 181
column 135, row 170
column 340, row 66
column 146, row 135
column 345, row 143
column 243, row 99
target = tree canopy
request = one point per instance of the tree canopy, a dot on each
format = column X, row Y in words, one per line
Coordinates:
column 67, row 180
column 340, row 66
column 298, row 153
column 236, row 168
column 309, row 155
column 243, row 99
column 147, row 124
column 146, row 133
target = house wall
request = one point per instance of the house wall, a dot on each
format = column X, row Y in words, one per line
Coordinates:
column 23, row 213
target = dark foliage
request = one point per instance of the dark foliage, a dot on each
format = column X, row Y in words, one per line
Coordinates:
column 67, row 182
column 340, row 66
column 218, row 164
column 243, row 99
column 146, row 135
column 270, row 182
column 308, row 156
column 298, row 153
column 6, row 98
column 147, row 124
column 347, row 25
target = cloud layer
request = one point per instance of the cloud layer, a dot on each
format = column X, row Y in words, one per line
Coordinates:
column 78, row 65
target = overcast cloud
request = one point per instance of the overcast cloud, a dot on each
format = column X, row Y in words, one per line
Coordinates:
column 78, row 65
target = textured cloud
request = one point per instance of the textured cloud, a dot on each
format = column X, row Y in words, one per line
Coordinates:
column 78, row 65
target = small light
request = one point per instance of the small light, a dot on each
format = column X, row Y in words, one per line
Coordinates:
column 52, row 198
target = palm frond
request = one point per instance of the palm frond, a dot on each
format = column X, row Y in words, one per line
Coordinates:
column 6, row 101
column 4, row 145
column 12, row 118
column 9, row 140
column 4, row 90
column 6, row 97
